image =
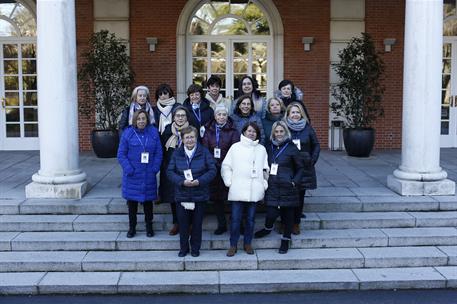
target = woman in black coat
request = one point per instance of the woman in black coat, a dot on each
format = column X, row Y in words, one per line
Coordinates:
column 165, row 105
column 140, row 100
column 199, row 108
column 275, row 112
column 286, row 171
column 304, row 137
column 220, row 135
column 171, row 140
column 191, row 170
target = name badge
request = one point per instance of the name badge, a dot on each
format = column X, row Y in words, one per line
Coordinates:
column 202, row 131
column 297, row 143
column 274, row 169
column 188, row 205
column 188, row 175
column 253, row 172
column 145, row 157
column 217, row 153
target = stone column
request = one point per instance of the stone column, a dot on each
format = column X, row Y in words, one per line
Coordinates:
column 419, row 172
column 59, row 175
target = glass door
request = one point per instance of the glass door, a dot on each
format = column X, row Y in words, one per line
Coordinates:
column 18, row 96
column 231, row 59
column 449, row 94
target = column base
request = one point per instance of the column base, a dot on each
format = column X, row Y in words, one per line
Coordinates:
column 64, row 191
column 409, row 187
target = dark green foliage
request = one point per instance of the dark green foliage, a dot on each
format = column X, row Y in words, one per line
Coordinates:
column 359, row 93
column 106, row 79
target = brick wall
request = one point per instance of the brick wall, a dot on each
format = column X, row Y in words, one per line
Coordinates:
column 385, row 19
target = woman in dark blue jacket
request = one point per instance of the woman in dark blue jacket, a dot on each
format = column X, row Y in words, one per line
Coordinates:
column 286, row 171
column 140, row 155
column 304, row 137
column 199, row 108
column 191, row 170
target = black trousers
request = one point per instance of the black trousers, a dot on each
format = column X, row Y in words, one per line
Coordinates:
column 298, row 211
column 219, row 210
column 287, row 219
column 133, row 210
column 185, row 219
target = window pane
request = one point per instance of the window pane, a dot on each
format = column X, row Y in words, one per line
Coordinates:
column 262, row 81
column 10, row 50
column 230, row 26
column 31, row 114
column 199, row 65
column 31, row 130
column 445, row 128
column 259, row 66
column 30, row 98
column 260, row 27
column 12, row 114
column 7, row 29
column 241, row 49
column 446, row 81
column 218, row 50
column 447, row 50
column 449, row 8
column 13, row 130
column 29, row 83
column 446, row 66
column 199, row 79
column 450, row 28
column 12, row 99
column 238, row 8
column 240, row 66
column 199, row 49
column 28, row 51
column 28, row 66
column 221, row 8
column 217, row 65
column 11, row 83
column 259, row 50
column 198, row 27
column 10, row 67
column 445, row 113
column 207, row 13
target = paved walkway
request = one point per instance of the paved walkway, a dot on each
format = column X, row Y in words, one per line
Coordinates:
column 338, row 174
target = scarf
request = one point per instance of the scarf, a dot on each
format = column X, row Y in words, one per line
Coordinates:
column 175, row 139
column 134, row 106
column 279, row 143
column 165, row 107
column 213, row 102
column 296, row 126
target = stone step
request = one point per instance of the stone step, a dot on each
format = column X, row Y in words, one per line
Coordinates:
column 263, row 259
column 115, row 240
column 312, row 204
column 325, row 220
column 265, row 281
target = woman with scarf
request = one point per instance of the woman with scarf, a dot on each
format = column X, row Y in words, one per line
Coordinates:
column 171, row 140
column 140, row 156
column 249, row 86
column 289, row 93
column 165, row 105
column 275, row 112
column 304, row 137
column 214, row 96
column 200, row 111
column 244, row 113
column 286, row 171
column 220, row 135
column 140, row 100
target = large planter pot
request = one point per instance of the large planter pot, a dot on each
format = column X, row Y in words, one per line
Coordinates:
column 359, row 142
column 105, row 143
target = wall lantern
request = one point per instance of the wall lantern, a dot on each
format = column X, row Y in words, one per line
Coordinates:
column 388, row 42
column 307, row 41
column 152, row 41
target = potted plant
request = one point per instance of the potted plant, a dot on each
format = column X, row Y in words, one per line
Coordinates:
column 106, row 80
column 358, row 94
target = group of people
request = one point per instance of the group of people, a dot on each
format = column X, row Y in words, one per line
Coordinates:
column 209, row 149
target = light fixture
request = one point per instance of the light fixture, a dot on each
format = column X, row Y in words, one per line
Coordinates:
column 152, row 41
column 307, row 41
column 388, row 42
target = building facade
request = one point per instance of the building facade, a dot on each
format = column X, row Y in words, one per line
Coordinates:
column 180, row 42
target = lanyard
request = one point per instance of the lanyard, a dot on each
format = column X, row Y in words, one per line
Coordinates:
column 189, row 159
column 198, row 116
column 179, row 137
column 143, row 145
column 218, row 135
column 279, row 153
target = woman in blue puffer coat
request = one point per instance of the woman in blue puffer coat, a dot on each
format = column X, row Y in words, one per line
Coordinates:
column 140, row 156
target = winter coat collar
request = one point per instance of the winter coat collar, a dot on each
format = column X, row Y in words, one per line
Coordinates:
column 248, row 142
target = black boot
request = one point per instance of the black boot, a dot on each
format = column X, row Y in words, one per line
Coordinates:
column 284, row 246
column 147, row 206
column 149, row 230
column 133, row 209
column 261, row 233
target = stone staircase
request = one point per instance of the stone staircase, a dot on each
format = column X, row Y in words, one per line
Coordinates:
column 347, row 243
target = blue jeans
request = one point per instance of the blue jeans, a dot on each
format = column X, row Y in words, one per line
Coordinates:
column 237, row 212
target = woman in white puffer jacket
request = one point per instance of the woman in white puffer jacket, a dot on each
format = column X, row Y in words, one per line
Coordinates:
column 245, row 172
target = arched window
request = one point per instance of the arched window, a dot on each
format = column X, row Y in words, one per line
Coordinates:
column 230, row 39
column 16, row 20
